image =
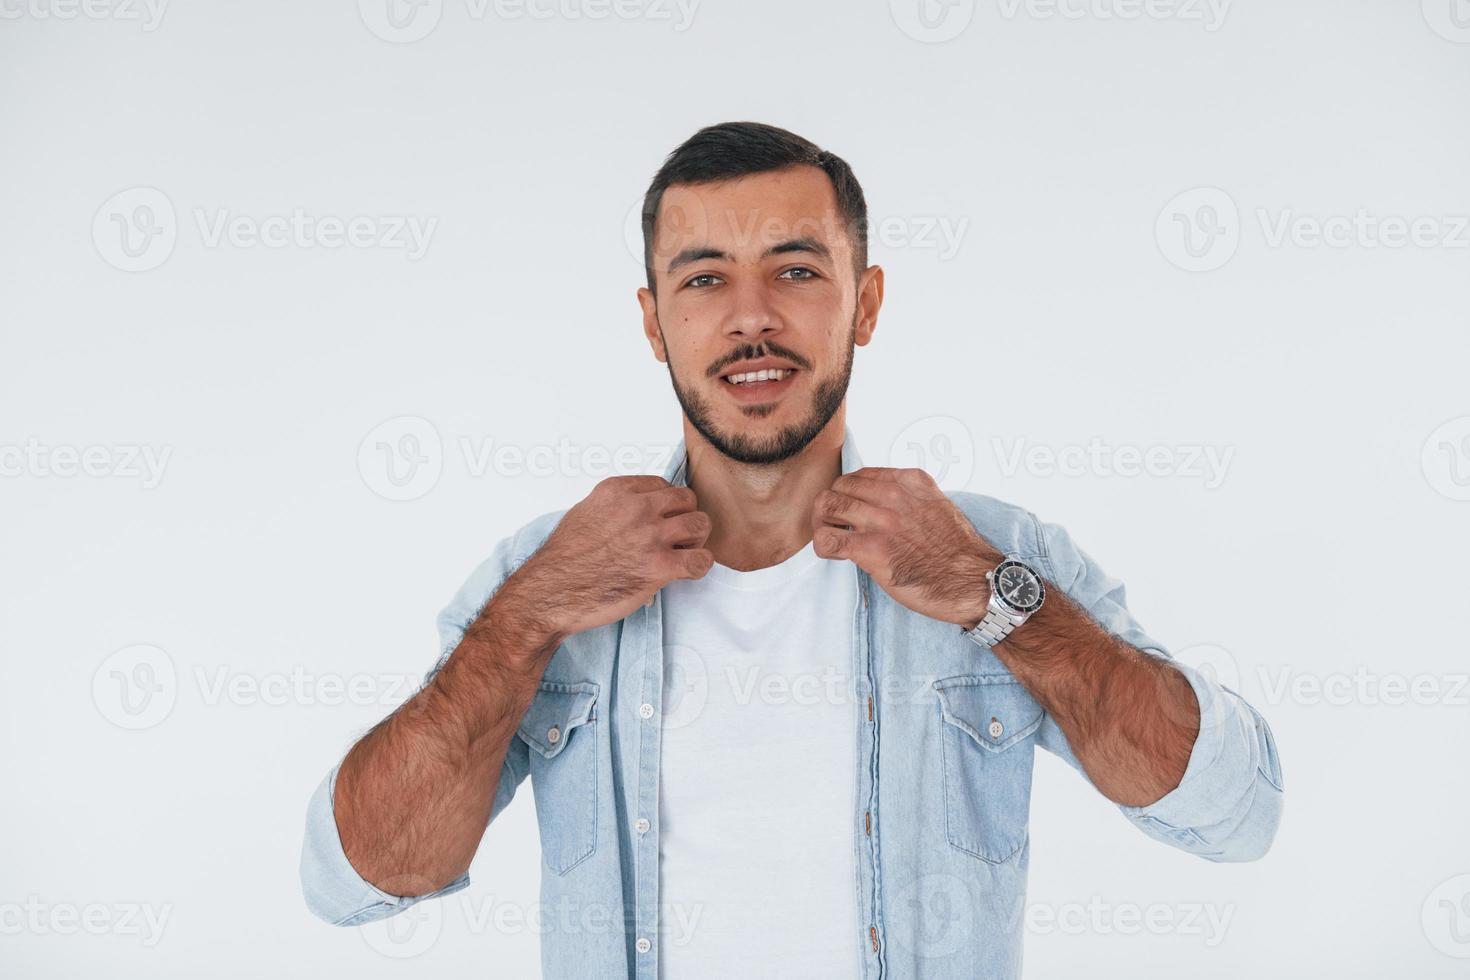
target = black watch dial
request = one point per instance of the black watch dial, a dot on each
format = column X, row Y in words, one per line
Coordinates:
column 1018, row 586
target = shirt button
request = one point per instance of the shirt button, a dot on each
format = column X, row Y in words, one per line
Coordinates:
column 646, row 710
column 642, row 825
column 553, row 735
column 996, row 728
column 644, row 945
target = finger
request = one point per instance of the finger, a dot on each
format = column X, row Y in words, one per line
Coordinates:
column 835, row 543
column 666, row 501
column 883, row 493
column 841, row 510
column 887, row 474
column 909, row 478
column 686, row 530
column 636, row 482
column 692, row 562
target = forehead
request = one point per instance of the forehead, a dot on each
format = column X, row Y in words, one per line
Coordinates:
column 745, row 216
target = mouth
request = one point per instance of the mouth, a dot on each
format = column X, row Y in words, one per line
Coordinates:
column 760, row 385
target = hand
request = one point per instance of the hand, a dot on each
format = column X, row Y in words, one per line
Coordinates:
column 611, row 553
column 900, row 528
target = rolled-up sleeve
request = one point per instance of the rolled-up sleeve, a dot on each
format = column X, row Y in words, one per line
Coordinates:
column 333, row 889
column 1228, row 805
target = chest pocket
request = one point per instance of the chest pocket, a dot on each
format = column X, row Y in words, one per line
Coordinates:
column 561, row 727
column 988, row 728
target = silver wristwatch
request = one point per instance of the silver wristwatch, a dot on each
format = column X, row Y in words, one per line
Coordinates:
column 1016, row 592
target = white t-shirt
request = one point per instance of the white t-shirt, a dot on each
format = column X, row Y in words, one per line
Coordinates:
column 757, row 794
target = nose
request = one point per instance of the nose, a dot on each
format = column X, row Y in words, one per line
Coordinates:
column 752, row 316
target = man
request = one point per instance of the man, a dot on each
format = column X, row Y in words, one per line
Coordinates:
column 779, row 709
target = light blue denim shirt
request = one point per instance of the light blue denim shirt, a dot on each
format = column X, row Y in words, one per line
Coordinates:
column 945, row 739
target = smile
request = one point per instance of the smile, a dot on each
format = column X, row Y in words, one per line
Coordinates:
column 755, row 377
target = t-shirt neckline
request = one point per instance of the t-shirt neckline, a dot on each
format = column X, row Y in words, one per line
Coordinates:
column 764, row 578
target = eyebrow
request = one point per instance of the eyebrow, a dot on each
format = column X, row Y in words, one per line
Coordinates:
column 808, row 245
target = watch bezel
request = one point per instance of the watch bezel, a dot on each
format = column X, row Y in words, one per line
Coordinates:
column 1007, row 604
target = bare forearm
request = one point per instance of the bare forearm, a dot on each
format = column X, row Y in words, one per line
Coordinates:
column 414, row 795
column 1131, row 719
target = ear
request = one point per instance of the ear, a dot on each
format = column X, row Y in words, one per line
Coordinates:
column 869, row 301
column 650, row 323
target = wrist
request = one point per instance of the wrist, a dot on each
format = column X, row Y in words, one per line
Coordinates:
column 970, row 618
column 977, row 587
column 522, row 635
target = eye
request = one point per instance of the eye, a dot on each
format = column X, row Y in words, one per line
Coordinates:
column 702, row 280
column 799, row 273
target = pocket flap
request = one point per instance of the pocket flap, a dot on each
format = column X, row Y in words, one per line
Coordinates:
column 995, row 710
column 555, row 712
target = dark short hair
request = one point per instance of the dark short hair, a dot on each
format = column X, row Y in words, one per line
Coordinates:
column 737, row 149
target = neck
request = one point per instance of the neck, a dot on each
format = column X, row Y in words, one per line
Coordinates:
column 761, row 514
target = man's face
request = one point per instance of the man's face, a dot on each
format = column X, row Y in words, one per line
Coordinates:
column 757, row 273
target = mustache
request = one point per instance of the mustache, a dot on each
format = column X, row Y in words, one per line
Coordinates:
column 750, row 352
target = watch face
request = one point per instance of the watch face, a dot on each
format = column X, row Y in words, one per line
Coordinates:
column 1018, row 586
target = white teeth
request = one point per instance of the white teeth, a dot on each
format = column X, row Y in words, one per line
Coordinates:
column 770, row 374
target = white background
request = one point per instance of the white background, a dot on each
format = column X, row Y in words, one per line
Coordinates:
column 1055, row 140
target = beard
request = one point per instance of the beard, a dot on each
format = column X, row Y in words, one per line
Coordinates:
column 827, row 396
